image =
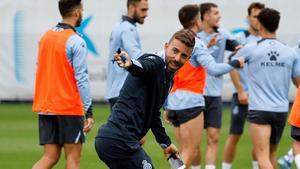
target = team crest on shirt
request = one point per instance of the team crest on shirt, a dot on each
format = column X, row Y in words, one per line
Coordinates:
column 151, row 57
column 146, row 164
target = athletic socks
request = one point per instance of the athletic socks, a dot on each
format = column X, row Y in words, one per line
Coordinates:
column 255, row 165
column 289, row 156
column 210, row 166
column 196, row 167
column 297, row 161
column 226, row 165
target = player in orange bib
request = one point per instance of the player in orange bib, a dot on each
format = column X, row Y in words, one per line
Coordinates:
column 185, row 102
column 62, row 92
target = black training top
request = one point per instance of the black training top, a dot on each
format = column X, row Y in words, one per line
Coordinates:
column 138, row 107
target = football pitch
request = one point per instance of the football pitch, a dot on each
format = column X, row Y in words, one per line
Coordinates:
column 19, row 147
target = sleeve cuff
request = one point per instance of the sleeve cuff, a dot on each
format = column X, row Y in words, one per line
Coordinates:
column 166, row 144
column 89, row 112
column 235, row 63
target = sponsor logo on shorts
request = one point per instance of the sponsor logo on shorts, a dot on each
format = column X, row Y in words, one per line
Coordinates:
column 235, row 110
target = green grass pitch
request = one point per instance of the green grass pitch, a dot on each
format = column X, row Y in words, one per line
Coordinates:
column 19, row 148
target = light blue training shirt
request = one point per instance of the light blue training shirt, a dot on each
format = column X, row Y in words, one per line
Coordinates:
column 271, row 65
column 244, row 38
column 214, row 84
column 124, row 36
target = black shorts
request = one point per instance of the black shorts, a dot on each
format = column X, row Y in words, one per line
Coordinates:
column 178, row 117
column 238, row 115
column 213, row 112
column 116, row 155
column 276, row 120
column 57, row 129
column 295, row 133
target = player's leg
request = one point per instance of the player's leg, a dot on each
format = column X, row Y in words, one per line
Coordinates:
column 72, row 138
column 277, row 127
column 213, row 119
column 50, row 157
column 106, row 148
column 138, row 159
column 260, row 135
column 230, row 150
column 196, row 163
column 254, row 160
column 273, row 154
column 72, row 155
column 238, row 117
column 213, row 135
column 188, row 125
column 295, row 134
column 296, row 150
column 190, row 138
column 48, row 137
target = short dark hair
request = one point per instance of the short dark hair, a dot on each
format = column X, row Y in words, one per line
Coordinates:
column 188, row 14
column 130, row 2
column 269, row 18
column 67, row 6
column 205, row 7
column 186, row 36
column 255, row 5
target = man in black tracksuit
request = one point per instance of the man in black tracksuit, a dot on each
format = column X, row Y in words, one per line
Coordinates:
column 137, row 109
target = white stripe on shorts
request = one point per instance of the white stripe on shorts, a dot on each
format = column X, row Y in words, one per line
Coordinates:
column 77, row 138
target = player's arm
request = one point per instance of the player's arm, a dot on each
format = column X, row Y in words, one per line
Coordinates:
column 79, row 53
column 213, row 68
column 231, row 44
column 296, row 66
column 245, row 53
column 296, row 81
column 143, row 67
column 161, row 136
column 129, row 39
column 242, row 95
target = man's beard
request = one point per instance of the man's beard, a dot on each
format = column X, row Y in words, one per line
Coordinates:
column 216, row 29
column 78, row 22
column 137, row 19
column 255, row 29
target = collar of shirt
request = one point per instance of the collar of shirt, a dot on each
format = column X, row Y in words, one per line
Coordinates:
column 162, row 54
column 66, row 26
column 130, row 20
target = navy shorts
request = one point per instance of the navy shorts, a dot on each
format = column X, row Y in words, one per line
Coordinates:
column 238, row 115
column 178, row 117
column 58, row 129
column 213, row 112
column 295, row 133
column 276, row 120
column 116, row 155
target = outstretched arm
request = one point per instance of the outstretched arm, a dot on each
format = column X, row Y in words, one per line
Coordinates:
column 146, row 65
